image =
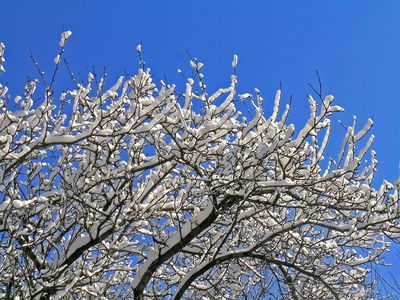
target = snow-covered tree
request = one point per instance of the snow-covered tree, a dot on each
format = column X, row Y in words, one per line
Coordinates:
column 142, row 192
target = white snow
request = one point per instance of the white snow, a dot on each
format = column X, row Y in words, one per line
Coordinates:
column 64, row 36
column 235, row 61
column 57, row 59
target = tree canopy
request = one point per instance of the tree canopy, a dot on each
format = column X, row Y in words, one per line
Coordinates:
column 142, row 191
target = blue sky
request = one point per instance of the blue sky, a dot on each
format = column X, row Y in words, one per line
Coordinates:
column 354, row 45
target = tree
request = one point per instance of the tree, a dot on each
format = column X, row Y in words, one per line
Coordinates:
column 147, row 193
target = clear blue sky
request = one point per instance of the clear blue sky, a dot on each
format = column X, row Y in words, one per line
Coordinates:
column 355, row 46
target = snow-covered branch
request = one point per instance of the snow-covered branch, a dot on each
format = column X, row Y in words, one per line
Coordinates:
column 142, row 192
